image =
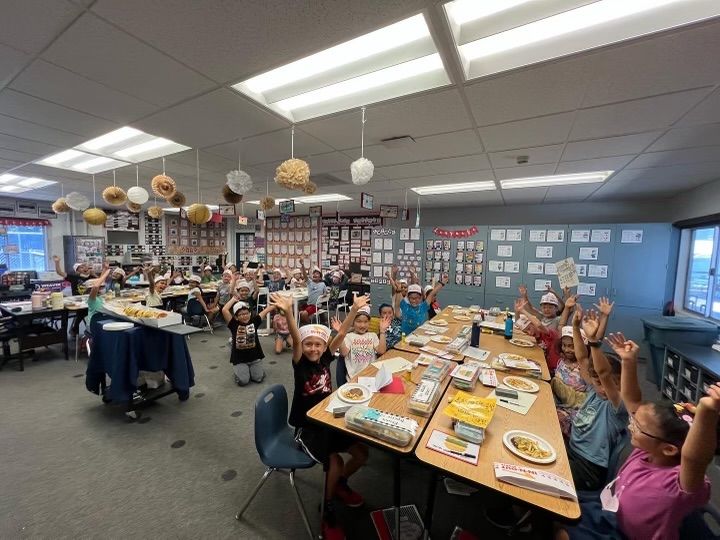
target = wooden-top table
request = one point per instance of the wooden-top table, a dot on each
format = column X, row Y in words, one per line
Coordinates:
column 541, row 420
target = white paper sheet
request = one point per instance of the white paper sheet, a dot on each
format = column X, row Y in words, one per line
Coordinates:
column 495, row 266
column 534, row 268
column 580, row 235
column 598, row 270
column 541, row 285
column 504, row 251
column 567, row 273
column 381, row 379
column 588, row 254
column 586, row 289
column 543, row 252
column 404, row 234
column 377, row 271
column 388, row 257
column 387, row 244
column 537, row 235
column 581, row 269
column 513, row 235
column 555, row 235
column 377, row 257
column 551, row 269
column 512, row 267
column 378, row 243
column 393, row 365
column 414, row 234
column 631, row 236
column 601, row 236
column 502, row 282
column 497, row 234
column 409, row 248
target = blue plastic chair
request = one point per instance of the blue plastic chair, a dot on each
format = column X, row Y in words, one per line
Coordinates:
column 276, row 445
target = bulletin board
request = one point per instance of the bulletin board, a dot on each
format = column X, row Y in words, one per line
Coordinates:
column 290, row 240
column 182, row 233
column 348, row 240
column 545, row 245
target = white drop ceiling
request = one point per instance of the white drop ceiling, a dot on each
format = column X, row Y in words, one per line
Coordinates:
column 74, row 70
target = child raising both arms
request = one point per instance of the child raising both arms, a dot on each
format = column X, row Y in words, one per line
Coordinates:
column 413, row 310
column 663, row 480
column 312, row 356
column 360, row 347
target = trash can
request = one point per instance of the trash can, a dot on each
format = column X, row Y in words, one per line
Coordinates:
column 660, row 331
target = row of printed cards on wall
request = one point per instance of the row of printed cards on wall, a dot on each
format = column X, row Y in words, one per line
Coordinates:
column 405, row 256
column 288, row 243
column 467, row 266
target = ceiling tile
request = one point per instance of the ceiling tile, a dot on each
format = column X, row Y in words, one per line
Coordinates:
column 646, row 187
column 23, row 145
column 525, row 171
column 706, row 112
column 476, row 198
column 536, row 156
column 96, row 50
column 236, row 42
column 31, row 26
column 36, row 132
column 276, row 146
column 524, row 195
column 6, row 164
column 611, row 146
column 417, row 116
column 35, row 110
column 456, row 178
column 687, row 137
column 527, row 133
column 324, row 163
column 11, row 62
column 634, row 116
column 664, row 63
column 590, row 165
column 570, row 193
column 478, row 162
column 677, row 157
column 14, row 155
column 406, row 170
column 219, row 116
column 537, row 91
column 63, row 87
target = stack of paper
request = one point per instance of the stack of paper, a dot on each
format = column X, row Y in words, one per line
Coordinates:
column 520, row 405
column 395, row 364
column 535, row 479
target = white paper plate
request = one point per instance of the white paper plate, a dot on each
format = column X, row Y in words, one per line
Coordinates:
column 440, row 339
column 463, row 318
column 507, row 441
column 117, row 326
column 531, row 389
column 519, row 342
column 438, row 322
column 342, row 391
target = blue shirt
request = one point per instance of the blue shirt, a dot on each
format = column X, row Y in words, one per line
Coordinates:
column 413, row 316
column 596, row 428
column 93, row 304
column 315, row 291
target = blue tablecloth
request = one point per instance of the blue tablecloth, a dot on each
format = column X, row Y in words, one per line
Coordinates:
column 121, row 355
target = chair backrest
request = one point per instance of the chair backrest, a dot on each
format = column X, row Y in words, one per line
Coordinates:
column 271, row 412
column 194, row 308
column 323, row 299
column 263, row 291
column 342, row 296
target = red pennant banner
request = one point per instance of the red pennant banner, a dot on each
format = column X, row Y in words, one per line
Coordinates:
column 445, row 233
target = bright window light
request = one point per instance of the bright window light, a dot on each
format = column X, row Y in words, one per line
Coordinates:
column 114, row 137
column 61, row 157
column 364, row 83
column 141, row 148
column 556, row 180
column 5, row 178
column 379, row 41
column 329, row 197
column 443, row 189
column 34, row 182
column 464, row 11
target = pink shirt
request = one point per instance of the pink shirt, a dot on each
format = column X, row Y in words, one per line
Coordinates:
column 652, row 504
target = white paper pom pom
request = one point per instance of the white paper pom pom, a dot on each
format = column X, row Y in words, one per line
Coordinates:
column 239, row 182
column 138, row 195
column 77, row 201
column 361, row 171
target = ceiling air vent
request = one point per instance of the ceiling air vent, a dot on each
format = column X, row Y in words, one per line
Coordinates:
column 403, row 141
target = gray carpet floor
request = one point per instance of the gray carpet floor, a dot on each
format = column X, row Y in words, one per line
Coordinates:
column 72, row 467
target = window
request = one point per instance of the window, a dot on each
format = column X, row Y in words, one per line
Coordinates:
column 702, row 291
column 23, row 247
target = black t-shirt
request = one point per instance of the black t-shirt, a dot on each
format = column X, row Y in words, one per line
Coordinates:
column 313, row 383
column 245, row 343
column 75, row 280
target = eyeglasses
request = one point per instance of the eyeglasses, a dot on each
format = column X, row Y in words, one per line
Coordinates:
column 634, row 426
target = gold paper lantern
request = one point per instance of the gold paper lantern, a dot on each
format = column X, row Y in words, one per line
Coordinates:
column 114, row 195
column 94, row 216
column 198, row 214
column 134, row 207
column 310, row 188
column 155, row 212
column 230, row 196
column 60, row 206
column 267, row 203
column 163, row 186
column 292, row 174
column 177, row 200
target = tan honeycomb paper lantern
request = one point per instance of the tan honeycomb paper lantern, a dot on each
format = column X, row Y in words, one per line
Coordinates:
column 310, row 188
column 163, row 186
column 60, row 206
column 177, row 200
column 198, row 213
column 155, row 212
column 114, row 195
column 134, row 207
column 94, row 216
column 230, row 196
column 267, row 203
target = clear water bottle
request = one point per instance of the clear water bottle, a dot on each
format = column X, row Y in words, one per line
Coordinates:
column 509, row 326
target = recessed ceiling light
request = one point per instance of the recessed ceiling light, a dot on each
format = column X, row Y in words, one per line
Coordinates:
column 114, row 137
column 14, row 183
column 467, row 187
column 329, row 197
column 556, row 180
column 498, row 35
column 13, row 189
column 144, row 147
column 393, row 61
column 61, row 157
column 91, row 163
column 276, row 201
column 5, row 178
column 34, row 182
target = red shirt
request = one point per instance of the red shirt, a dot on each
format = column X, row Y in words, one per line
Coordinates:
column 549, row 343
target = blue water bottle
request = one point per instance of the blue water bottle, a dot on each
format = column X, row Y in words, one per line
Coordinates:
column 509, row 326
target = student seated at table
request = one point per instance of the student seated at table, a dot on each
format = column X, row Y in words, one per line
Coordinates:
column 246, row 354
column 550, row 307
column 296, row 280
column 393, row 334
column 433, row 307
column 396, row 285
column 316, row 288
column 282, row 332
column 225, row 289
column 196, row 293
column 207, row 275
column 77, row 278
column 663, row 480
column 176, row 277
column 312, row 356
column 413, row 310
column 95, row 301
column 276, row 282
column 118, row 278
column 157, row 284
column 360, row 348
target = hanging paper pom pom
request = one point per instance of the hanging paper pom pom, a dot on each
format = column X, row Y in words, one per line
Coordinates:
column 163, row 186
column 177, row 200
column 310, row 187
column 155, row 212
column 77, row 201
column 138, row 195
column 114, row 195
column 293, row 174
column 267, row 203
column 361, row 170
column 239, row 182
column 94, row 216
column 133, row 207
column 198, row 214
column 60, row 206
column 230, row 196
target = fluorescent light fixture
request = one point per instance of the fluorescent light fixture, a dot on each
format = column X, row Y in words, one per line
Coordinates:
column 142, row 148
column 14, row 183
column 114, row 137
column 174, row 210
column 60, row 157
column 276, row 201
column 393, row 61
column 34, row 182
column 91, row 163
column 497, row 35
column 329, row 197
column 13, row 189
column 5, row 178
column 444, row 189
column 556, row 180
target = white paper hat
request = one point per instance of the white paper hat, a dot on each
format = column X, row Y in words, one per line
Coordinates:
column 314, row 330
column 549, row 298
column 237, row 306
column 195, row 277
column 242, row 285
column 415, row 288
column 567, row 331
